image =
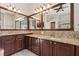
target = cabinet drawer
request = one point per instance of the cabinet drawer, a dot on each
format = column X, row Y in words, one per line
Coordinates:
column 19, row 36
column 46, row 42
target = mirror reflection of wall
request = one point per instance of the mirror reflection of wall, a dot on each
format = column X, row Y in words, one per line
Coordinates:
column 60, row 17
column 11, row 20
column 7, row 19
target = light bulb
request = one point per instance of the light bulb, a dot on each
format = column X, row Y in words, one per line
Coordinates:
column 40, row 8
column 18, row 10
column 14, row 9
column 10, row 7
column 43, row 11
column 48, row 5
column 35, row 11
column 44, row 7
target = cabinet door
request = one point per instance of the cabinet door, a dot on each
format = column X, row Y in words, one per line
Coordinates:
column 26, row 41
column 35, row 46
column 61, row 49
column 1, row 49
column 30, row 44
column 46, row 48
column 8, row 44
column 19, row 42
column 77, row 50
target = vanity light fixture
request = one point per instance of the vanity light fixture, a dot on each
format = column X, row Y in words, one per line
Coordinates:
column 10, row 7
column 18, row 10
column 42, row 8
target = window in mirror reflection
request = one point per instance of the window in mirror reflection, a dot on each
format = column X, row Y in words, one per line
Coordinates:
column 17, row 25
column 21, row 22
column 24, row 23
column 32, row 23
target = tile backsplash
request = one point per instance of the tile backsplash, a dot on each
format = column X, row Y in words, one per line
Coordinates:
column 65, row 34
column 60, row 34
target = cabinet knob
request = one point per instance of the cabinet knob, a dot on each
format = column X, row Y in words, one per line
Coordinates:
column 54, row 42
column 50, row 42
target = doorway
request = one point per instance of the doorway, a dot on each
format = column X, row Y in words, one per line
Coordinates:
column 52, row 25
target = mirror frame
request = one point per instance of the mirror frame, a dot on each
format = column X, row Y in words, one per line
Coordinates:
column 71, row 19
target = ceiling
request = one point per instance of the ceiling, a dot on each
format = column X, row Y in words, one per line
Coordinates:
column 26, row 8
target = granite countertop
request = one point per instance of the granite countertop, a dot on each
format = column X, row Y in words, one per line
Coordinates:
column 62, row 40
column 14, row 33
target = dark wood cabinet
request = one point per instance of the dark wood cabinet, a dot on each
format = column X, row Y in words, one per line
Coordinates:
column 30, row 44
column 77, row 50
column 50, row 48
column 26, row 41
column 62, row 49
column 36, row 45
column 46, row 48
column 1, row 50
column 8, row 44
column 19, row 42
column 13, row 43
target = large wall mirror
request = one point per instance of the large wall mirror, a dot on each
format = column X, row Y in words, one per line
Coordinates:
column 20, row 22
column 34, row 22
column 57, row 18
column 12, row 20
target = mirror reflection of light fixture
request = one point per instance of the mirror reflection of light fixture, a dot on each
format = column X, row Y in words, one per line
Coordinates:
column 42, row 8
column 10, row 7
column 18, row 10
column 35, row 11
column 14, row 9
column 48, row 5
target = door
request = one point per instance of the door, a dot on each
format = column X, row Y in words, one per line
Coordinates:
column 35, row 46
column 77, row 50
column 61, row 49
column 46, row 48
column 1, row 49
column 30, row 43
column 19, row 42
column 8, row 43
column 52, row 25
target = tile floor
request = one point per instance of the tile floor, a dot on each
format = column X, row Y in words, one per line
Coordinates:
column 24, row 52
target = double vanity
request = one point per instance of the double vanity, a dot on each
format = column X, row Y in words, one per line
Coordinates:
column 39, row 44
